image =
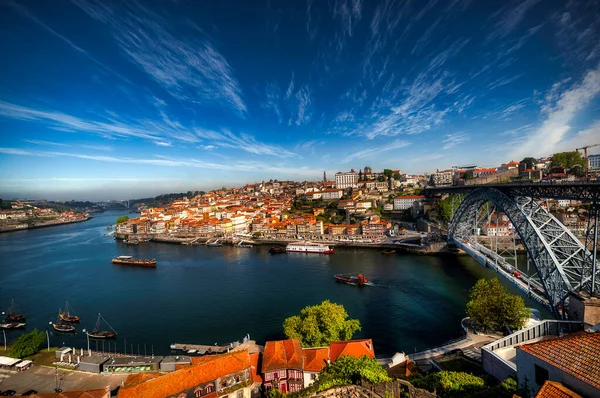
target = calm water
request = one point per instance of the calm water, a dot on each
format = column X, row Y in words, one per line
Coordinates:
column 205, row 295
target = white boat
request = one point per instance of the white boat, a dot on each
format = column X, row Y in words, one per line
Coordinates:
column 308, row 247
column 242, row 244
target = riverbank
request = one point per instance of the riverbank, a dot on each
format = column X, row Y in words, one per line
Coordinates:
column 433, row 248
column 23, row 227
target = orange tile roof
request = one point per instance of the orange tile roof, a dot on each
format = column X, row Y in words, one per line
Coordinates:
column 187, row 378
column 576, row 354
column 255, row 359
column 137, row 378
column 410, row 197
column 355, row 348
column 282, row 354
column 552, row 389
column 315, row 359
column 100, row 393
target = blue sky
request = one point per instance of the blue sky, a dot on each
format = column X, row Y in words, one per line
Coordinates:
column 115, row 99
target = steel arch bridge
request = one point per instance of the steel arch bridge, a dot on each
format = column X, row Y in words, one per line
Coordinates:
column 562, row 262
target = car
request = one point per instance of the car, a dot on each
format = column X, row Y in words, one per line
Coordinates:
column 8, row 393
column 29, row 392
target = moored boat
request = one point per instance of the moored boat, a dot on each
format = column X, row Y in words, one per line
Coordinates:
column 68, row 315
column 12, row 314
column 277, row 250
column 63, row 327
column 216, row 243
column 358, row 280
column 12, row 325
column 129, row 260
column 98, row 333
column 308, row 247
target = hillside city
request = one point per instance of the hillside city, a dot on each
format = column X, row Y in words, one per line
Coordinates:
column 359, row 206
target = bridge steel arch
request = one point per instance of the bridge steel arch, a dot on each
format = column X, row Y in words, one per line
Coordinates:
column 561, row 261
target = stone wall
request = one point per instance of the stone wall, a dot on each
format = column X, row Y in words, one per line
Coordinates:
column 396, row 388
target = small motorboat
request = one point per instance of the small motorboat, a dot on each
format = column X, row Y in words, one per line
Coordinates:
column 357, row 280
column 277, row 250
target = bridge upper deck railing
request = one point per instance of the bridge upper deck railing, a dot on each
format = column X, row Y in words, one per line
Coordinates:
column 587, row 191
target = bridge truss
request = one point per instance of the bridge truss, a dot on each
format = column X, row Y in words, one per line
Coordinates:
column 562, row 263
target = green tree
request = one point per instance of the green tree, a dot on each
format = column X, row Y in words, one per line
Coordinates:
column 492, row 307
column 467, row 176
column 122, row 219
column 351, row 370
column 529, row 162
column 444, row 206
column 360, row 175
column 319, row 325
column 568, row 159
column 388, row 173
column 27, row 344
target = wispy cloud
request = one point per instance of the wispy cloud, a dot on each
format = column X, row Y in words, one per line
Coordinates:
column 207, row 147
column 454, row 139
column 244, row 142
column 558, row 114
column 153, row 131
column 503, row 81
column 189, row 69
column 46, row 143
column 290, row 89
column 164, row 161
column 97, row 147
column 304, row 99
column 21, row 9
column 371, row 153
column 510, row 17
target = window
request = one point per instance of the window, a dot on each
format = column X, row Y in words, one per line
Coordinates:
column 541, row 375
column 240, row 394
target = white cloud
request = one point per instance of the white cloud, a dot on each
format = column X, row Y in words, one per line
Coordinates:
column 41, row 142
column 153, row 131
column 188, row 69
column 207, row 147
column 303, row 96
column 560, row 110
column 165, row 161
column 371, row 153
column 454, row 139
column 510, row 17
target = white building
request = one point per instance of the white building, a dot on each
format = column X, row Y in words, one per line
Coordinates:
column 332, row 194
column 345, row 180
column 594, row 162
column 441, row 178
column 406, row 202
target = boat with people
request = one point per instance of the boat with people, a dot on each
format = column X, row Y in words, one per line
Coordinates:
column 244, row 245
column 98, row 333
column 351, row 279
column 13, row 314
column 129, row 260
column 308, row 247
column 132, row 241
column 67, row 315
column 277, row 250
column 12, row 325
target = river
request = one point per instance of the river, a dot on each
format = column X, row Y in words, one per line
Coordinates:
column 207, row 295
